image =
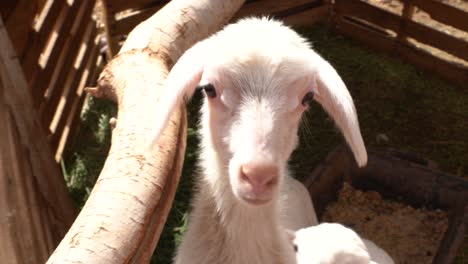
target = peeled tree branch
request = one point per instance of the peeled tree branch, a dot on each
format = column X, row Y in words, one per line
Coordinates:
column 123, row 218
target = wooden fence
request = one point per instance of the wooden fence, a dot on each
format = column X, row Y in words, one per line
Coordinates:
column 56, row 42
column 377, row 27
column 123, row 16
column 399, row 34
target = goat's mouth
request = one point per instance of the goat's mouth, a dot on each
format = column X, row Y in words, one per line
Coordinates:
column 253, row 199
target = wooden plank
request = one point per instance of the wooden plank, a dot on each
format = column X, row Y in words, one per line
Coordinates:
column 7, row 7
column 9, row 246
column 408, row 28
column 20, row 23
column 48, row 103
column 427, row 61
column 115, row 6
column 94, row 71
column 438, row 39
column 364, row 34
column 41, row 4
column 73, row 126
column 36, row 209
column 21, row 206
column 62, row 29
column 444, row 13
column 25, row 231
column 364, row 11
column 302, row 9
column 74, row 88
column 452, row 241
column 326, row 180
column 407, row 14
column 108, row 19
column 408, row 53
column 60, row 140
column 309, row 16
column 48, row 180
column 44, row 26
column 126, row 24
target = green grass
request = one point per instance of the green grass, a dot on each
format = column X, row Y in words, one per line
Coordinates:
column 88, row 151
column 416, row 111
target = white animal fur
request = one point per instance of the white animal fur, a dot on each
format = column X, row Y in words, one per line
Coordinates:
column 261, row 70
column 331, row 243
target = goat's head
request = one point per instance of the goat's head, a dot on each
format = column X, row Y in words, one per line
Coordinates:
column 258, row 77
column 328, row 243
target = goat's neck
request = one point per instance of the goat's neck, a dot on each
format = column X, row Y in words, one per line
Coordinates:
column 235, row 232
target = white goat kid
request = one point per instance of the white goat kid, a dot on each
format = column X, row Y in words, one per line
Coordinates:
column 258, row 77
column 331, row 243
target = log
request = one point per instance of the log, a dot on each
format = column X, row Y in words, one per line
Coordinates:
column 126, row 211
column 35, row 207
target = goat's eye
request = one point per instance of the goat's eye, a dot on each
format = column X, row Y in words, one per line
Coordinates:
column 209, row 89
column 295, row 247
column 308, row 98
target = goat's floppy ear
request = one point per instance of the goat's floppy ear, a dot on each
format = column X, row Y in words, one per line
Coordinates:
column 334, row 97
column 180, row 84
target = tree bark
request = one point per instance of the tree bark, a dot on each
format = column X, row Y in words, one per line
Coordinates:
column 124, row 216
column 35, row 207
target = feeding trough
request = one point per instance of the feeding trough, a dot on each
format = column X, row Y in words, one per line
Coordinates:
column 399, row 177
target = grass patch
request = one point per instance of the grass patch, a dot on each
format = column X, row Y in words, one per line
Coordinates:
column 88, row 150
column 398, row 105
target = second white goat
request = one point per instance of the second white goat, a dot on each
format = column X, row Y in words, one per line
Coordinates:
column 332, row 243
column 258, row 76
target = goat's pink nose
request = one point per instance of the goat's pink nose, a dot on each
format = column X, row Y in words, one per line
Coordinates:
column 261, row 177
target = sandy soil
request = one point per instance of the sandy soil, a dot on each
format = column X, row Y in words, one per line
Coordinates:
column 409, row 235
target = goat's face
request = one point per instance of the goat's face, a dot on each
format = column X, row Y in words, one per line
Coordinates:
column 258, row 77
column 254, row 103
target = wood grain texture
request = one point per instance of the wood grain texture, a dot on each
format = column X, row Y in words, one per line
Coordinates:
column 85, row 35
column 444, row 13
column 411, row 54
column 404, row 26
column 70, row 97
column 36, row 206
column 39, row 37
column 52, row 56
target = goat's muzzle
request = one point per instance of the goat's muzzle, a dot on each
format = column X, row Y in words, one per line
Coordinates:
column 257, row 182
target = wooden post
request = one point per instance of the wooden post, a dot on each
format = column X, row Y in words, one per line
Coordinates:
column 407, row 15
column 35, row 207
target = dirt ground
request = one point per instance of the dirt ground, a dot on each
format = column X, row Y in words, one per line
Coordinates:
column 409, row 235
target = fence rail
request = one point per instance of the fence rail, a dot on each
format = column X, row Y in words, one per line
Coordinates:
column 123, row 16
column 56, row 42
column 394, row 33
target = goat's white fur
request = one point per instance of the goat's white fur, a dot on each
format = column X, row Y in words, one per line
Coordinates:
column 261, row 70
column 331, row 243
